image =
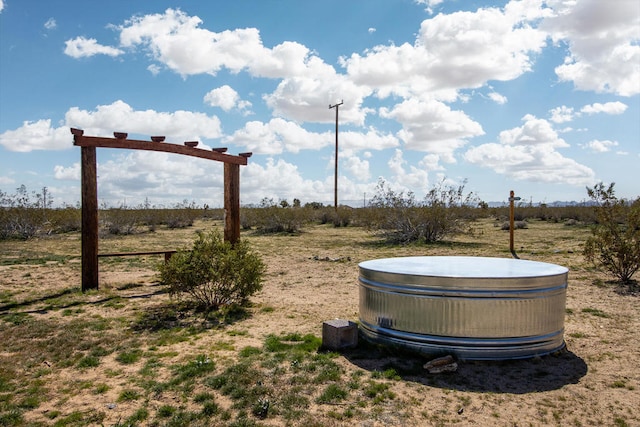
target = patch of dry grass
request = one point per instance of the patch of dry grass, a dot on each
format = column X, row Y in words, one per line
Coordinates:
column 128, row 355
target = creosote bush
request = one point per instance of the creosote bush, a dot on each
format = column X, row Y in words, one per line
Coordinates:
column 615, row 241
column 401, row 218
column 214, row 273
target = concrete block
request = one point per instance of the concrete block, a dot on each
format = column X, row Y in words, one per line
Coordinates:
column 338, row 334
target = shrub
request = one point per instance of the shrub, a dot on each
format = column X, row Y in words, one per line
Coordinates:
column 214, row 272
column 270, row 217
column 401, row 218
column 615, row 241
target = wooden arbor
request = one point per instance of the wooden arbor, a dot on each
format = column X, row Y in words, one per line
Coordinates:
column 89, row 188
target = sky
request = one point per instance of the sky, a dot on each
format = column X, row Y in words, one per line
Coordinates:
column 538, row 97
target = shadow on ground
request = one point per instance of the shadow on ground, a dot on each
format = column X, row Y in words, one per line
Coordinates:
column 537, row 374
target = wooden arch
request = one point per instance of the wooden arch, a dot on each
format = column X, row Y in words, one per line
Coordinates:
column 89, row 188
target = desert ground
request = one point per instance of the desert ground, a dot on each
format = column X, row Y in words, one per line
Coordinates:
column 130, row 354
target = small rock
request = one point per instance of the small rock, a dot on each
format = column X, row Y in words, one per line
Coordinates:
column 111, row 406
column 441, row 364
column 460, row 411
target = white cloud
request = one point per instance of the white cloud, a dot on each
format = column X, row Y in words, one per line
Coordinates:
column 50, row 24
column 278, row 136
column 1, row 5
column 371, row 30
column 154, row 69
column 106, row 119
column 604, row 42
column 120, row 116
column 81, row 47
column 226, row 98
column 357, row 167
column 430, row 4
column 607, row 108
column 279, row 179
column 176, row 40
column 454, row 51
column 433, row 127
column 37, row 135
column 562, row 114
column 601, row 146
column 497, row 98
column 530, row 153
column 413, row 178
column 71, row 173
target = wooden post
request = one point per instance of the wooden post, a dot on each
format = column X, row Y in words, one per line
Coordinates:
column 512, row 199
column 231, row 202
column 89, row 219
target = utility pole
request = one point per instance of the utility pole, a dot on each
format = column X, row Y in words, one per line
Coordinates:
column 335, row 179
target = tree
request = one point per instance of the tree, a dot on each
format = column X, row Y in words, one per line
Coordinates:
column 615, row 241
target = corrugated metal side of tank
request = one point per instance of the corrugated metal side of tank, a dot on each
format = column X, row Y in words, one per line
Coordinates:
column 480, row 319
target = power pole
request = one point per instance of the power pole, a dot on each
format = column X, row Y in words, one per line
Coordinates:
column 335, row 179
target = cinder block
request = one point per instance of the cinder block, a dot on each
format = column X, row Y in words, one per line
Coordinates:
column 339, row 334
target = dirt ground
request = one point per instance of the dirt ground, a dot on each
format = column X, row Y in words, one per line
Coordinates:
column 311, row 278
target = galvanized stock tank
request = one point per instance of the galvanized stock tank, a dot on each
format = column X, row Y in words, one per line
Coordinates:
column 475, row 308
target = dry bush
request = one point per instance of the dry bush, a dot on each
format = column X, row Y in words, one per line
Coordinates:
column 401, row 218
column 615, row 241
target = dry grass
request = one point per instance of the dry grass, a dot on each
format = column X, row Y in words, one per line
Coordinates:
column 128, row 355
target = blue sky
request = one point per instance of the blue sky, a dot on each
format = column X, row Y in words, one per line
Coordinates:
column 539, row 97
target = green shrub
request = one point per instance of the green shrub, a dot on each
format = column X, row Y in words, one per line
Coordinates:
column 214, row 272
column 615, row 241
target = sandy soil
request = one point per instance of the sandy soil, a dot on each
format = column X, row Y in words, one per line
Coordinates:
column 312, row 278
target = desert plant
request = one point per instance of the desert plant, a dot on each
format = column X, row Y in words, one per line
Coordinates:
column 401, row 218
column 214, row 272
column 271, row 217
column 615, row 241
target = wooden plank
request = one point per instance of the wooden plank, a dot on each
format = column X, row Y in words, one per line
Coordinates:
column 96, row 141
column 116, row 254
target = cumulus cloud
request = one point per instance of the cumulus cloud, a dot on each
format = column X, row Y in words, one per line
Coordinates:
column 607, row 108
column 277, row 136
column 604, row 44
column 81, row 47
column 565, row 114
column 226, row 98
column 41, row 135
column 433, row 127
column 71, row 173
column 279, row 179
column 178, row 124
column 454, row 51
column 1, row 5
column 562, row 114
column 38, row 135
column 530, row 152
column 600, row 146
